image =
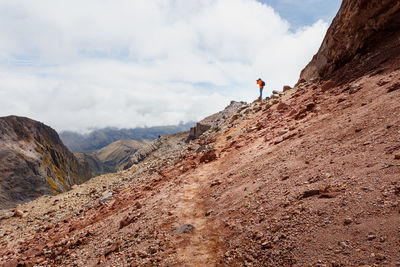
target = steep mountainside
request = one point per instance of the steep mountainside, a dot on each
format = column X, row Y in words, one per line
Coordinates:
column 365, row 32
column 34, row 162
column 310, row 178
column 102, row 137
column 112, row 157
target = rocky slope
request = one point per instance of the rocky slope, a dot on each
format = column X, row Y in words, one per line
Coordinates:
column 112, row 157
column 34, row 162
column 310, row 178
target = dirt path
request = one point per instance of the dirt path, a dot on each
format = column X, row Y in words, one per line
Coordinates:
column 198, row 246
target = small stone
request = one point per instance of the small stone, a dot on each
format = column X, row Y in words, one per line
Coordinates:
column 348, row 221
column 183, row 229
column 208, row 156
column 283, row 132
column 215, row 183
column 106, row 196
column 380, row 257
column 282, row 106
column 114, row 248
column 354, row 88
column 394, row 87
column 397, row 156
column 274, row 96
column 327, row 86
column 251, row 129
column 284, row 178
column 152, row 250
column 309, row 193
column 258, row 236
column 138, row 205
column 267, row 244
column 343, row 245
column 383, row 82
column 371, row 237
column 286, row 88
column 18, row 213
column 74, row 187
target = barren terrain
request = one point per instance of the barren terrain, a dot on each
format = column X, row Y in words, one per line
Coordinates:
column 309, row 179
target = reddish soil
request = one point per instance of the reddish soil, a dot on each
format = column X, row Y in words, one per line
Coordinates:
column 311, row 179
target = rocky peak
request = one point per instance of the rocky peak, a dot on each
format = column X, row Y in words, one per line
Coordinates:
column 358, row 28
column 34, row 162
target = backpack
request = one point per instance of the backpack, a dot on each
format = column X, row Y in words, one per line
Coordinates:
column 262, row 83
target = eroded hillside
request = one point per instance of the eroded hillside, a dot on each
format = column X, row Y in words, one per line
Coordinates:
column 34, row 162
column 309, row 178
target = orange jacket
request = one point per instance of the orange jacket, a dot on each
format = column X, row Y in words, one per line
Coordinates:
column 259, row 82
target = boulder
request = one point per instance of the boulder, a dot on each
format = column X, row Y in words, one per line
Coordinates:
column 282, row 106
column 198, row 130
column 286, row 88
column 208, row 156
column 327, row 85
column 274, row 96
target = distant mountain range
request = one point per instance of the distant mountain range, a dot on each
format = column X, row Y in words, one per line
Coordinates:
column 100, row 138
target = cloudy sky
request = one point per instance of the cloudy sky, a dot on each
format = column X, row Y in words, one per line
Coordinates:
column 77, row 65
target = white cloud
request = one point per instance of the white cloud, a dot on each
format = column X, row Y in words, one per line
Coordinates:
column 79, row 64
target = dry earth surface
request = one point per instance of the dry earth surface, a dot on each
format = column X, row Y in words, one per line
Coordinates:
column 309, row 179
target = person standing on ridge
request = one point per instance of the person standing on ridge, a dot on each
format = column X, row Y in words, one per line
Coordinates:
column 261, row 83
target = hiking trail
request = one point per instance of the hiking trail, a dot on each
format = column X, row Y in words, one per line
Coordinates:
column 198, row 246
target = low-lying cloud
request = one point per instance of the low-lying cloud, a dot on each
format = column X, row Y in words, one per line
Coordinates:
column 81, row 64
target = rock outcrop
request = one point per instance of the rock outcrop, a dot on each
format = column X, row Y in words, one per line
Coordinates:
column 34, row 162
column 198, row 130
column 214, row 120
column 358, row 25
column 143, row 153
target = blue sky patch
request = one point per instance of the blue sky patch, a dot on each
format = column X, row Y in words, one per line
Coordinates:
column 304, row 12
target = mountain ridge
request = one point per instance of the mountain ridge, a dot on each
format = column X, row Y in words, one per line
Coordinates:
column 100, row 138
column 34, row 161
column 112, row 157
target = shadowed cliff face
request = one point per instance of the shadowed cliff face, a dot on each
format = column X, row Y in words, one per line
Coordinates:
column 358, row 28
column 34, row 162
